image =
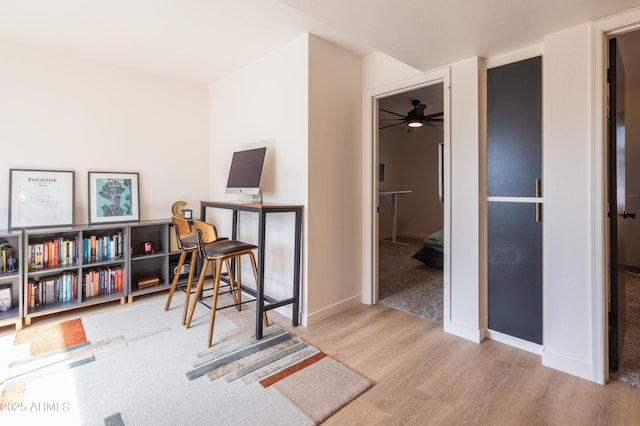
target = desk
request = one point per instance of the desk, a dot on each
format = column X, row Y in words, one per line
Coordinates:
column 394, row 219
column 262, row 210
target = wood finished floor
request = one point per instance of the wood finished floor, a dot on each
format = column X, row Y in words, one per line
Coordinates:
column 424, row 376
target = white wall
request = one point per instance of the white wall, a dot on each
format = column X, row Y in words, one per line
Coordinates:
column 66, row 113
column 465, row 295
column 272, row 102
column 567, row 228
column 335, row 189
column 266, row 104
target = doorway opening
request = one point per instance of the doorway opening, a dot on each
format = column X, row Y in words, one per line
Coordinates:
column 623, row 183
column 411, row 201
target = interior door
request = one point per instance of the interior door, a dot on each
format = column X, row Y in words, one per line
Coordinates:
column 617, row 213
column 514, row 226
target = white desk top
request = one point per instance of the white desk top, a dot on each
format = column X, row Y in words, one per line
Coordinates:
column 392, row 191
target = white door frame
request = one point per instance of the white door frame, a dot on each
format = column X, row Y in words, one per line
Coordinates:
column 370, row 181
column 601, row 30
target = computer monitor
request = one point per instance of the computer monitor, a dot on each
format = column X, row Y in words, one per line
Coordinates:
column 245, row 172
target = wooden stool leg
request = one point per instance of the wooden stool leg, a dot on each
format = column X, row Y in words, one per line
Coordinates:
column 194, row 253
column 197, row 293
column 214, row 301
column 255, row 275
column 174, row 284
column 232, row 283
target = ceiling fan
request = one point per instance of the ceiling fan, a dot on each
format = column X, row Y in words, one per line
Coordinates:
column 415, row 118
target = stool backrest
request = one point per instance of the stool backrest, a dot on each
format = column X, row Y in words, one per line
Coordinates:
column 182, row 228
column 207, row 234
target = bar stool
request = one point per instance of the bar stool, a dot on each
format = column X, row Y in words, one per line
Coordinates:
column 218, row 253
column 188, row 243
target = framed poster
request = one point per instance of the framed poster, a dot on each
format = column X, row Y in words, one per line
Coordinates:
column 113, row 197
column 40, row 198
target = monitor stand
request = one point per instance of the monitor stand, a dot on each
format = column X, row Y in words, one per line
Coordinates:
column 255, row 199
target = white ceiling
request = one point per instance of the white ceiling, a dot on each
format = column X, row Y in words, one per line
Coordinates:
column 207, row 39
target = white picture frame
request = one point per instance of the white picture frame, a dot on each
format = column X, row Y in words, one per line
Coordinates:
column 40, row 198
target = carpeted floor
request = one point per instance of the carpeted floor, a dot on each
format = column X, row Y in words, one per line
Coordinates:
column 629, row 371
column 408, row 284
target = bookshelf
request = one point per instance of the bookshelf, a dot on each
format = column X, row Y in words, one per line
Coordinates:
column 10, row 279
column 73, row 267
column 64, row 268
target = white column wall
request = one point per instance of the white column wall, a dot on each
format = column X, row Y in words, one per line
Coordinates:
column 567, row 239
column 465, row 319
column 335, row 189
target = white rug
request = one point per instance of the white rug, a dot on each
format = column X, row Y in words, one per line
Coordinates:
column 137, row 377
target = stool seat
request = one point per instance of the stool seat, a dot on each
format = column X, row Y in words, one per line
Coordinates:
column 190, row 242
column 225, row 248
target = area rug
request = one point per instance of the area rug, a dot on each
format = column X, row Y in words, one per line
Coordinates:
column 52, row 337
column 316, row 383
column 133, row 367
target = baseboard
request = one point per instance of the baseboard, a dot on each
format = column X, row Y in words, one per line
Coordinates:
column 515, row 342
column 315, row 317
column 568, row 365
column 469, row 333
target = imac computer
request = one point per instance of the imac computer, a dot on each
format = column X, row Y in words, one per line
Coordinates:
column 245, row 173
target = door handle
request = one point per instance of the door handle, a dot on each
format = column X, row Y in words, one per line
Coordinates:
column 626, row 214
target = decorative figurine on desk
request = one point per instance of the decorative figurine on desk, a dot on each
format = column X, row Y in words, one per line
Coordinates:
column 11, row 264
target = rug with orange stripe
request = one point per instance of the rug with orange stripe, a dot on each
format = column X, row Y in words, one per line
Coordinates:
column 316, row 383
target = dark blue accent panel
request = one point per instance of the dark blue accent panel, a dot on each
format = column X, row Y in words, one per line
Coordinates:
column 515, row 270
column 514, row 128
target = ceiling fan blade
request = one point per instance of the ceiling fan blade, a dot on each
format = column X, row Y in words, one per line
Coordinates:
column 434, row 125
column 437, row 114
column 391, row 112
column 440, row 120
column 390, row 125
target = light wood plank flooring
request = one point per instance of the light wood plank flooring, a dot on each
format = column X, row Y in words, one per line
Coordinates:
column 425, row 376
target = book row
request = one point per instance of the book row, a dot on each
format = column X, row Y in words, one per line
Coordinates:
column 58, row 289
column 102, row 281
column 64, row 251
column 63, row 288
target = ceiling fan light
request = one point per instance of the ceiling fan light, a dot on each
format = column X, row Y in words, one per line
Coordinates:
column 415, row 122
